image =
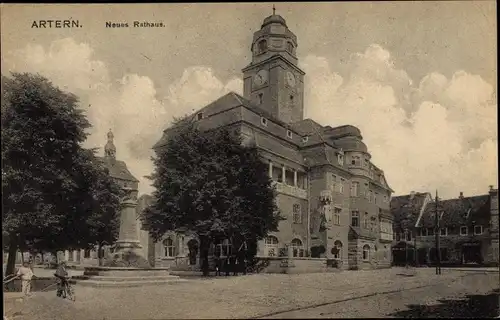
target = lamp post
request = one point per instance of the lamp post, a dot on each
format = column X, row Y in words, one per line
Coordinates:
column 437, row 233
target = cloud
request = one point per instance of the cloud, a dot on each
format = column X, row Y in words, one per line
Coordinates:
column 441, row 134
column 129, row 105
column 436, row 133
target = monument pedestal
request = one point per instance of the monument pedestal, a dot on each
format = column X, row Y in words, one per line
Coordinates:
column 128, row 267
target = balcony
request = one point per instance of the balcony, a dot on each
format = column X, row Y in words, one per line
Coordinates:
column 290, row 190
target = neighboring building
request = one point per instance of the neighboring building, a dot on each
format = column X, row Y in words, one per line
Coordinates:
column 468, row 229
column 406, row 210
column 334, row 198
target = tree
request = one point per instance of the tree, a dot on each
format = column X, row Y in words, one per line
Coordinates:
column 211, row 184
column 46, row 181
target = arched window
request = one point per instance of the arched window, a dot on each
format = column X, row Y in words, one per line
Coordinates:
column 289, row 47
column 366, row 252
column 337, row 250
column 168, row 245
column 297, row 249
column 271, row 246
column 262, row 46
column 297, row 216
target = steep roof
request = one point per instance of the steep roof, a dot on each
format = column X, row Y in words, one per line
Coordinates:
column 117, row 169
column 459, row 212
column 406, row 208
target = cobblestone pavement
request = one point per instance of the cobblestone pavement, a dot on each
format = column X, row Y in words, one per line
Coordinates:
column 248, row 296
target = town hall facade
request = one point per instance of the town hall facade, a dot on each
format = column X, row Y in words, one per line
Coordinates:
column 334, row 198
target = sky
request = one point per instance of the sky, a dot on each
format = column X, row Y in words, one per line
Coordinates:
column 417, row 78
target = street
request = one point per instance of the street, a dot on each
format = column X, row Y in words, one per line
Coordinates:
column 379, row 293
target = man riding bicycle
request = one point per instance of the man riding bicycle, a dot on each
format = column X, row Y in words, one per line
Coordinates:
column 62, row 279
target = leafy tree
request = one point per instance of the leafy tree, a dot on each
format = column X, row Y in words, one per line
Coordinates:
column 211, row 184
column 47, row 177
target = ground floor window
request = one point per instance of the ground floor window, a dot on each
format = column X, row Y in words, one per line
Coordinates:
column 86, row 254
column 297, row 248
column 271, row 246
column 223, row 249
column 366, row 252
column 168, row 245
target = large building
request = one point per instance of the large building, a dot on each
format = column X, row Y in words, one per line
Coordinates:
column 468, row 229
column 335, row 199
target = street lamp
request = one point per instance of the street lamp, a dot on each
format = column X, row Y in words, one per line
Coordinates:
column 438, row 210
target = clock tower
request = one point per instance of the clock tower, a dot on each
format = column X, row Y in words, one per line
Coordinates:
column 273, row 80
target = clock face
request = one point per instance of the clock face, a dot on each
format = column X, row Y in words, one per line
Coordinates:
column 290, row 79
column 260, row 78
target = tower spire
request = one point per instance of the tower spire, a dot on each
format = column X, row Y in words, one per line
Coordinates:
column 109, row 148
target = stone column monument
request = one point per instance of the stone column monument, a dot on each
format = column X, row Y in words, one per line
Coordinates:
column 128, row 246
column 128, row 239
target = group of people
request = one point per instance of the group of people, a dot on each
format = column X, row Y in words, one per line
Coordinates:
column 232, row 263
column 26, row 274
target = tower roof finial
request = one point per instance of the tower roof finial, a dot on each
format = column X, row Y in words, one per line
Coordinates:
column 274, row 10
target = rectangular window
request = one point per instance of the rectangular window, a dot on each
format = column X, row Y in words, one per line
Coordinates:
column 341, row 185
column 430, row 231
column 355, row 218
column 393, row 236
column 199, row 116
column 478, row 230
column 398, row 236
column 423, row 232
column 336, row 216
column 408, row 235
column 289, row 177
column 289, row 134
column 334, row 183
column 86, row 254
column 354, row 189
column 367, row 194
column 370, row 196
column 277, row 174
column 375, row 198
column 463, row 231
column 443, row 232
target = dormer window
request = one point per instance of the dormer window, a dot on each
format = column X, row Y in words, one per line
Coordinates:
column 199, row 116
column 289, row 134
column 305, row 139
column 263, row 121
column 289, row 47
column 262, row 46
column 478, row 230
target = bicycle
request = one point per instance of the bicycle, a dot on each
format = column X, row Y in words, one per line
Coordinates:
column 69, row 291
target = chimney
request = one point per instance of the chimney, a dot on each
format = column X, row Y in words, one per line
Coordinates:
column 412, row 195
column 461, row 195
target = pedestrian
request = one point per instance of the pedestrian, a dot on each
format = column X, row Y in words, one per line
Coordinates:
column 234, row 264
column 25, row 273
column 62, row 277
column 227, row 265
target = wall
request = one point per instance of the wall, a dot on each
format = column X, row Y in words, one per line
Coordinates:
column 297, row 265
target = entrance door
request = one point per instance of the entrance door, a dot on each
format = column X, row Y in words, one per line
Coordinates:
column 471, row 253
